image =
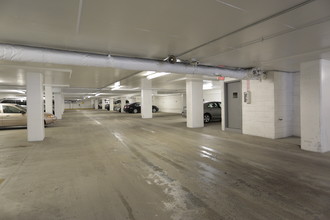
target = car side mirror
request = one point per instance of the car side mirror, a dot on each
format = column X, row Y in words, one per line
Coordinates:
column 23, row 112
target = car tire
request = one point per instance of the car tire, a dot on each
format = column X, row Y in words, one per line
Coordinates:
column 154, row 110
column 207, row 118
column 135, row 111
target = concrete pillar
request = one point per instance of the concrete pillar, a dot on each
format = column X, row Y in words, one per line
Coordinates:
column 122, row 103
column 103, row 103
column 58, row 104
column 62, row 103
column 146, row 98
column 111, row 104
column 35, row 119
column 48, row 99
column 96, row 104
column 194, row 97
column 315, row 105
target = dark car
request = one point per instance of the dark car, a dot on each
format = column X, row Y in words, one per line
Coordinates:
column 212, row 111
column 136, row 108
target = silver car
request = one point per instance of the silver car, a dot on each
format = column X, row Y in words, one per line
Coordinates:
column 212, row 111
column 15, row 115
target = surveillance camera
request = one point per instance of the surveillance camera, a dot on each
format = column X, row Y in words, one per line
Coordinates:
column 172, row 59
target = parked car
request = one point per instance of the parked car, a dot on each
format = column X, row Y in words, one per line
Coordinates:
column 15, row 115
column 21, row 102
column 117, row 105
column 107, row 106
column 136, row 108
column 212, row 111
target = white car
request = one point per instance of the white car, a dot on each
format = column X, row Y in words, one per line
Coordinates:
column 15, row 115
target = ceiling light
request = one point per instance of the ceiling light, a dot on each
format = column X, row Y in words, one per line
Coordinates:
column 116, row 88
column 147, row 73
column 117, row 84
column 97, row 94
column 208, row 85
column 158, row 74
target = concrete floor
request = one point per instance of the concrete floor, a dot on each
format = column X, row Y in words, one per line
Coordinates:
column 101, row 165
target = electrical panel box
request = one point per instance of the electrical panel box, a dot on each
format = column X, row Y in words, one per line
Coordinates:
column 247, row 97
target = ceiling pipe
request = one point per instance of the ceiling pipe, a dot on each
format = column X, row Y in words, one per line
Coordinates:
column 51, row 56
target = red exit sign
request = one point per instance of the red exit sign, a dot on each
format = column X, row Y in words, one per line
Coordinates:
column 221, row 78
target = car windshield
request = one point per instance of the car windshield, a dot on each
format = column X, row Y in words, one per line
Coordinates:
column 21, row 108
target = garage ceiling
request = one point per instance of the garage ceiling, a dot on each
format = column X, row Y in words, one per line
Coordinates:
column 266, row 34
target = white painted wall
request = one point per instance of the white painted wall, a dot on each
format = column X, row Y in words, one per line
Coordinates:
column 172, row 103
column 79, row 105
column 212, row 95
column 283, row 88
column 258, row 117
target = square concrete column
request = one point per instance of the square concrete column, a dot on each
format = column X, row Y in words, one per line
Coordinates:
column 58, row 104
column 146, row 98
column 194, row 97
column 103, row 103
column 63, row 103
column 111, row 104
column 96, row 104
column 122, row 104
column 35, row 107
column 315, row 105
column 48, row 99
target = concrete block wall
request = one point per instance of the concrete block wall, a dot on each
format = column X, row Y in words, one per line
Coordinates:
column 258, row 117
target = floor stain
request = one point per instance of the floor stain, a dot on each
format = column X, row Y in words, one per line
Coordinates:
column 2, row 180
column 127, row 206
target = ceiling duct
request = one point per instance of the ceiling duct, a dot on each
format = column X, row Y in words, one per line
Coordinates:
column 42, row 55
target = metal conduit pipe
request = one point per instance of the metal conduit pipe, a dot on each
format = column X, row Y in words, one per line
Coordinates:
column 42, row 55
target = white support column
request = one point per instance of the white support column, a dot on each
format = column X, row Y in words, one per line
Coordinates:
column 103, row 103
column 146, row 98
column 48, row 99
column 111, row 104
column 194, row 91
column 122, row 104
column 35, row 113
column 58, row 103
column 96, row 104
column 63, row 103
column 315, row 105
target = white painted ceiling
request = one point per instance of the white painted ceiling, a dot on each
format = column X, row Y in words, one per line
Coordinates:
column 237, row 33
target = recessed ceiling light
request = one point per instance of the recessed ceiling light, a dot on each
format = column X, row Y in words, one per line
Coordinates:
column 158, row 74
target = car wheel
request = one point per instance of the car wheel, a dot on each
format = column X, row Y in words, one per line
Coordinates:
column 154, row 110
column 135, row 111
column 207, row 118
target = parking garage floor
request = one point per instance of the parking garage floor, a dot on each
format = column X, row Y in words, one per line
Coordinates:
column 102, row 165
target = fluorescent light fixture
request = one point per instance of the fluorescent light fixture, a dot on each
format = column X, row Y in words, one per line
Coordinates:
column 117, row 84
column 116, row 88
column 97, row 94
column 147, row 73
column 158, row 74
column 20, row 91
column 207, row 86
